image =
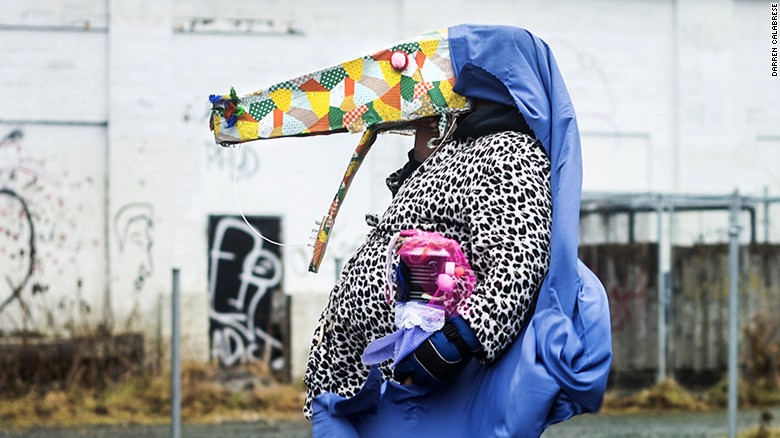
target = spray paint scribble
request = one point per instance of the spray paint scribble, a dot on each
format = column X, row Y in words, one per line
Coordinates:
column 133, row 226
column 17, row 246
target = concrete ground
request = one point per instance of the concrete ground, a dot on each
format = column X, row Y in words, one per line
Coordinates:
column 700, row 425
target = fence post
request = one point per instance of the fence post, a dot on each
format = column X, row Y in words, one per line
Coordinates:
column 669, row 291
column 766, row 214
column 175, row 358
column 661, row 295
column 733, row 379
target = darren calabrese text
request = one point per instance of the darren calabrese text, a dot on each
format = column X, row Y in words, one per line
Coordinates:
column 774, row 39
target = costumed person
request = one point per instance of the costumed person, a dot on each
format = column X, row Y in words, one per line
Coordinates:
column 529, row 345
column 487, row 188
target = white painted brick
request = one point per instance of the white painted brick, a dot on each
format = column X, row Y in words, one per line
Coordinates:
column 53, row 13
column 53, row 76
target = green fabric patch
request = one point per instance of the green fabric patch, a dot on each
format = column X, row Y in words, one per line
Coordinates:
column 331, row 78
column 258, row 110
column 335, row 118
column 409, row 48
column 371, row 117
column 407, row 88
column 284, row 85
column 436, row 97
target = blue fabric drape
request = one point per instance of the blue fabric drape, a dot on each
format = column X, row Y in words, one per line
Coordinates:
column 559, row 365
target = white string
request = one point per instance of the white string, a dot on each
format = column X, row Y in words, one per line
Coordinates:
column 238, row 204
column 389, row 278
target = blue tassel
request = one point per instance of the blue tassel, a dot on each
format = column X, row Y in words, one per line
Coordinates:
column 214, row 98
column 232, row 121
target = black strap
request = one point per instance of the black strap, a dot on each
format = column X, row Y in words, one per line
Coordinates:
column 451, row 332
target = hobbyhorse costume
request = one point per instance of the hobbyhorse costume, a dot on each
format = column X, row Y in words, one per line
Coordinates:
column 386, row 90
column 558, row 365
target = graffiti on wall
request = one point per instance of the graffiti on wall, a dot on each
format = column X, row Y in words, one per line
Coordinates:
column 17, row 230
column 133, row 227
column 44, row 203
column 626, row 273
column 222, row 159
column 627, row 295
column 247, row 307
column 17, row 246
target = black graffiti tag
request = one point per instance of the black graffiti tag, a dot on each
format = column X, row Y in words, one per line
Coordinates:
column 133, row 225
column 244, row 281
column 14, row 251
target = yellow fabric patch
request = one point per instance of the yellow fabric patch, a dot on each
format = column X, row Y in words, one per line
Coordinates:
column 453, row 99
column 446, row 89
column 352, row 168
column 320, row 102
column 276, row 132
column 391, row 75
column 217, row 123
column 386, row 112
column 282, row 98
column 426, row 107
column 354, row 69
column 247, row 130
column 429, row 47
column 322, row 236
column 417, row 76
column 357, row 126
column 348, row 104
column 457, row 101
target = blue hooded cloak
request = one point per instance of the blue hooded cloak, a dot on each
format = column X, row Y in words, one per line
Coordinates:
column 559, row 364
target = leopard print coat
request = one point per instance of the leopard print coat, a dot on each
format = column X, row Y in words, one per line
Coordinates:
column 491, row 194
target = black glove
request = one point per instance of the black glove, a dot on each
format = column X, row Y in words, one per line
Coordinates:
column 440, row 355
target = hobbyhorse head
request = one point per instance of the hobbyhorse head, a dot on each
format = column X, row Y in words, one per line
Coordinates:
column 408, row 81
column 385, row 91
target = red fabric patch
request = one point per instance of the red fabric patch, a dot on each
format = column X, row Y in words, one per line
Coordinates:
column 312, row 85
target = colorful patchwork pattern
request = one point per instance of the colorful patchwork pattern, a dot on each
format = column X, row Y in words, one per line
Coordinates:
column 369, row 94
column 353, row 96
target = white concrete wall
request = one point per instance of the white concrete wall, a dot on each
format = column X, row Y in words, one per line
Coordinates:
column 120, row 172
column 52, row 159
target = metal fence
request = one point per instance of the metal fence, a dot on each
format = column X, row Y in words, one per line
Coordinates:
column 670, row 295
column 696, row 312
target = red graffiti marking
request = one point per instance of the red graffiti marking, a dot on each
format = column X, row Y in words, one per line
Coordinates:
column 624, row 295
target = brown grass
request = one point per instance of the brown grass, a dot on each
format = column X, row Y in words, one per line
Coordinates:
column 668, row 395
column 756, row 432
column 146, row 400
column 208, row 397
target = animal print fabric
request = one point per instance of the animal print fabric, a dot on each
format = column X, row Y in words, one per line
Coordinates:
column 491, row 194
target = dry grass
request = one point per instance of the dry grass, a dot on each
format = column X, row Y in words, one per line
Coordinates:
column 211, row 395
column 668, row 395
column 758, row 432
column 754, row 394
column 762, row 430
column 146, row 400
